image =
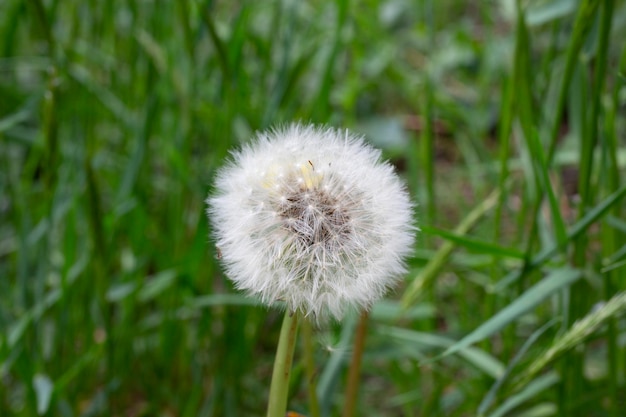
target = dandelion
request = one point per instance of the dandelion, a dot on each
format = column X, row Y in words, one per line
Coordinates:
column 312, row 217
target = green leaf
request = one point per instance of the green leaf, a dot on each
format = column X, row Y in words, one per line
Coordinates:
column 388, row 310
column 557, row 280
column 441, row 257
column 490, row 397
column 157, row 284
column 16, row 331
column 581, row 226
column 546, row 12
column 538, row 386
column 118, row 292
column 582, row 329
column 475, row 244
column 477, row 357
column 213, row 300
column 331, row 374
column 14, row 119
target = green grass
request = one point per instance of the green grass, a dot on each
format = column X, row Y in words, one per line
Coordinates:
column 506, row 119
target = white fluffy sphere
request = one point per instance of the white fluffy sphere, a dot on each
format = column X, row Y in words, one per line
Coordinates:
column 311, row 216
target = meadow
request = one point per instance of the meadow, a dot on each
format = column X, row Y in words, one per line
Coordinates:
column 506, row 119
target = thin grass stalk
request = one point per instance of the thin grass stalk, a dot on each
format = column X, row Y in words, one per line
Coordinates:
column 276, row 25
column 9, row 27
column 504, row 139
column 322, row 101
column 427, row 141
column 44, row 25
column 611, row 182
column 523, row 108
column 309, row 366
column 584, row 20
column 606, row 15
column 279, row 388
column 519, row 60
column 50, row 132
column 428, row 152
column 183, row 14
column 581, row 28
column 354, row 372
column 613, row 361
column 101, row 262
column 428, row 135
column 218, row 44
column 281, row 82
column 572, row 365
column 609, row 236
column 529, row 124
column 549, row 57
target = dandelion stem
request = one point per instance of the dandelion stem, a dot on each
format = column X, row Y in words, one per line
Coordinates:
column 279, row 388
column 355, row 366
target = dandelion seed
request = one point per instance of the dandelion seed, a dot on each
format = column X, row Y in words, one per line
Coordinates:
column 324, row 241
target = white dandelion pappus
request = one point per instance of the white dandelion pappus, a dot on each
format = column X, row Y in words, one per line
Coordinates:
column 311, row 216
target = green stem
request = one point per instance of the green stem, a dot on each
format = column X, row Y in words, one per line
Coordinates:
column 355, row 366
column 279, row 388
column 309, row 363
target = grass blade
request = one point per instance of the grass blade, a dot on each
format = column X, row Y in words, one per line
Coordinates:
column 430, row 271
column 557, row 280
column 538, row 386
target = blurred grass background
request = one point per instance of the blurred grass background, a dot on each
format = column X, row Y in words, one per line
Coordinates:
column 507, row 119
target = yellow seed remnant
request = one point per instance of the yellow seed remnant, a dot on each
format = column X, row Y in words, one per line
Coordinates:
column 311, row 178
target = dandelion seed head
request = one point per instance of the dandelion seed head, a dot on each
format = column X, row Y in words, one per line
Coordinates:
column 311, row 216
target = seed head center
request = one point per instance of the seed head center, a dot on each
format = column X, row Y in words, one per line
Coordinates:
column 315, row 217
